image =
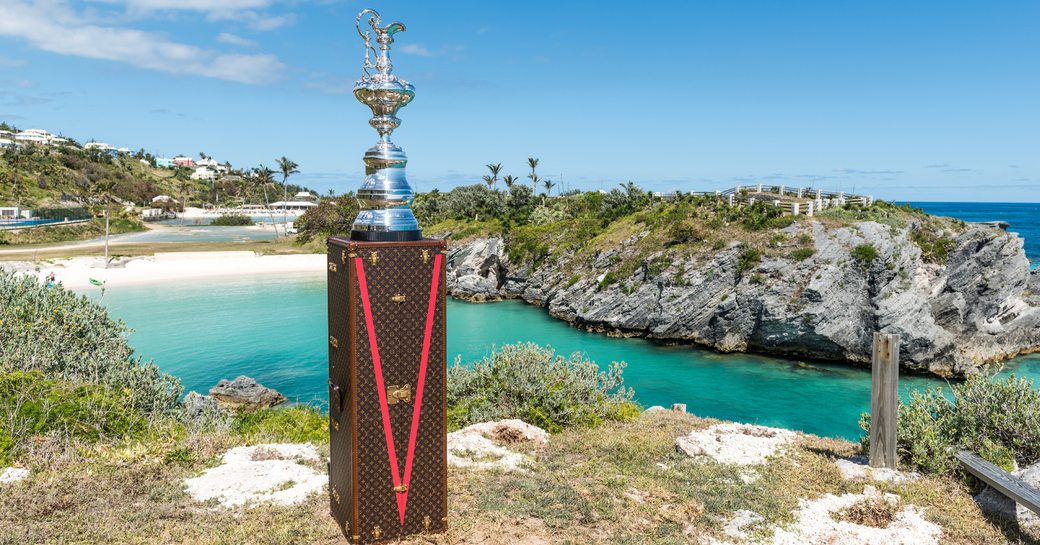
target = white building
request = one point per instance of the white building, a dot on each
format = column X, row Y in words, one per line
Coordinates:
column 208, row 162
column 203, row 173
column 39, row 137
column 163, row 198
column 292, row 207
column 99, row 146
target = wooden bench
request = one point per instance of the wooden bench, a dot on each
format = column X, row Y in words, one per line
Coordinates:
column 1004, row 482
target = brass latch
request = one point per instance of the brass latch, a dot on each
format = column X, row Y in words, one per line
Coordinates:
column 395, row 394
column 401, row 488
column 398, row 298
column 333, row 341
column 373, row 257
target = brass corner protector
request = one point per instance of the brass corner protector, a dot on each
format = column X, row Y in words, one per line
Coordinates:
column 377, row 532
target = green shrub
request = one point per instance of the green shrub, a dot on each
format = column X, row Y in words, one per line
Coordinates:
column 934, row 248
column 608, row 279
column 66, row 335
column 999, row 419
column 296, row 424
column 685, row 232
column 330, row 218
column 757, row 278
column 865, row 254
column 6, row 447
column 749, row 258
column 228, row 220
column 536, row 385
column 32, row 404
column 801, row 254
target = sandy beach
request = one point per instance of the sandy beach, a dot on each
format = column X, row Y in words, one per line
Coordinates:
column 76, row 273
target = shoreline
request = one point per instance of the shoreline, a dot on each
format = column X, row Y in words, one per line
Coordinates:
column 76, row 273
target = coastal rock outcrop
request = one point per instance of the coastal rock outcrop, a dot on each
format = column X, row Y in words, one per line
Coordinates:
column 245, row 394
column 979, row 304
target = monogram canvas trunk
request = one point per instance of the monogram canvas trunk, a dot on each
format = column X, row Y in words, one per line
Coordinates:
column 387, row 377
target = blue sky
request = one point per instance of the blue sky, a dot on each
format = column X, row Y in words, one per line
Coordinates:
column 904, row 100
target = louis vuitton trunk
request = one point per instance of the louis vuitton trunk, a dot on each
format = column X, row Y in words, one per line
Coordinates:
column 387, row 373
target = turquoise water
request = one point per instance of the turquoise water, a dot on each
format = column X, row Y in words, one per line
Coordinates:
column 274, row 329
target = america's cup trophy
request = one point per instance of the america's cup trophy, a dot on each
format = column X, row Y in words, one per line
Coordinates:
column 388, row 461
column 385, row 197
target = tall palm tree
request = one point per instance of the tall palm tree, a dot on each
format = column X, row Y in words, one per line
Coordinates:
column 549, row 184
column 288, row 168
column 533, row 163
column 103, row 189
column 509, row 180
column 265, row 177
column 495, row 168
column 489, row 181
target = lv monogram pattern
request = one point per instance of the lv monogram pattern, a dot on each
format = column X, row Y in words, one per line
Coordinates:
column 398, row 270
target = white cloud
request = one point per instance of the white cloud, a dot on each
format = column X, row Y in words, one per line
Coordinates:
column 9, row 62
column 232, row 39
column 52, row 26
column 415, row 49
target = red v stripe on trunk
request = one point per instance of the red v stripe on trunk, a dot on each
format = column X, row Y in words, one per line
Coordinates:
column 401, row 492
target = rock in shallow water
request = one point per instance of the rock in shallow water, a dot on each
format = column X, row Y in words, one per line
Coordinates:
column 245, row 394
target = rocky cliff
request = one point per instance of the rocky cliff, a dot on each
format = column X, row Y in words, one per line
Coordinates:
column 979, row 306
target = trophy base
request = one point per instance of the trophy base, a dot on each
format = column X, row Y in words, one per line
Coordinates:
column 386, row 236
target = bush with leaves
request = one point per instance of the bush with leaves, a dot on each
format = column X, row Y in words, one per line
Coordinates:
column 67, row 335
column 997, row 418
column 32, row 404
column 330, row 218
column 538, row 386
column 232, row 220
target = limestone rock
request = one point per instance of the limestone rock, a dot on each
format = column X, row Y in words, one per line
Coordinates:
column 982, row 305
column 245, row 394
column 200, row 409
column 732, row 443
column 272, row 473
column 482, row 446
column 858, row 468
column 13, row 474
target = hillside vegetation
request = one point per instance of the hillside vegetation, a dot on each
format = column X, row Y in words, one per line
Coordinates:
column 109, row 450
column 71, row 176
column 541, row 229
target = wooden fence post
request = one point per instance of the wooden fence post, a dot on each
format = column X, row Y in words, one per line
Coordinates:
column 884, row 400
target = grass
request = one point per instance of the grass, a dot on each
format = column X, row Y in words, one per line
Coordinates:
column 622, row 483
column 51, row 234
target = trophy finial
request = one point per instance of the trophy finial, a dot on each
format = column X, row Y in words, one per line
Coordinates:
column 385, row 197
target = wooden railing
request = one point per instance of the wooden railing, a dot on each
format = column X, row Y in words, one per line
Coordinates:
column 793, row 200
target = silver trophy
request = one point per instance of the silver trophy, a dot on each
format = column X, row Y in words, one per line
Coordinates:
column 385, row 197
